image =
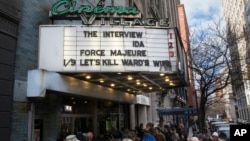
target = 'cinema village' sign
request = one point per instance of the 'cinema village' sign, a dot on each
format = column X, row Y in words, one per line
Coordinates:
column 88, row 14
column 70, row 7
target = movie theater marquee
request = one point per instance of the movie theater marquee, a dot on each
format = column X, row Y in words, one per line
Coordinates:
column 106, row 48
column 119, row 46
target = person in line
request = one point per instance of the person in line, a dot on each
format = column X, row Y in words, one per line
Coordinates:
column 140, row 131
column 131, row 136
column 194, row 139
column 160, row 127
column 71, row 138
column 151, row 127
column 223, row 137
column 90, row 136
column 158, row 134
column 202, row 137
column 80, row 136
column 148, row 135
column 181, row 132
column 123, row 132
column 175, row 135
column 214, row 137
column 167, row 132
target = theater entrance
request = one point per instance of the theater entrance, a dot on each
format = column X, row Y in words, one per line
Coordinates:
column 74, row 123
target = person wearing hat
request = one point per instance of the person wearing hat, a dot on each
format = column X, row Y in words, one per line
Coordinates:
column 194, row 139
column 71, row 138
column 80, row 136
column 215, row 136
column 223, row 137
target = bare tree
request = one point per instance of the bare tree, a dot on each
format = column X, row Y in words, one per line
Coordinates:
column 211, row 63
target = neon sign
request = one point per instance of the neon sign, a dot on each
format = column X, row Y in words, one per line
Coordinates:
column 64, row 7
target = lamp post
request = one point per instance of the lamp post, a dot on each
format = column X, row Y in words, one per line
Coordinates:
column 159, row 98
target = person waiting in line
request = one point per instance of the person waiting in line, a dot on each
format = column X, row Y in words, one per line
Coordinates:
column 175, row 135
column 203, row 137
column 80, row 136
column 131, row 136
column 214, row 137
column 167, row 132
column 223, row 137
column 148, row 135
column 194, row 139
column 151, row 127
column 90, row 136
column 181, row 132
column 123, row 133
column 71, row 138
column 158, row 134
column 160, row 127
column 140, row 131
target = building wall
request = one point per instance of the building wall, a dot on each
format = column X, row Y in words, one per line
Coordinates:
column 184, row 31
column 142, row 111
column 9, row 19
column 176, row 13
column 33, row 14
column 228, row 101
column 48, row 110
column 164, row 8
column 235, row 16
column 248, row 53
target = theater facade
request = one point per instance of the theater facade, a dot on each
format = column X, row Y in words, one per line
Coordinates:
column 96, row 67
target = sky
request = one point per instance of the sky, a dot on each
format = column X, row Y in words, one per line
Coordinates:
column 201, row 11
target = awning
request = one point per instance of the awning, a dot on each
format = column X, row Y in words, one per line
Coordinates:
column 39, row 81
column 178, row 111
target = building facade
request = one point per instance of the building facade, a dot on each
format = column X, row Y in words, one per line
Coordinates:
column 42, row 102
column 184, row 30
column 235, row 17
column 9, row 21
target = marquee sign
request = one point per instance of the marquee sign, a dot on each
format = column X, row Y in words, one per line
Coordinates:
column 107, row 48
column 113, row 15
column 64, row 7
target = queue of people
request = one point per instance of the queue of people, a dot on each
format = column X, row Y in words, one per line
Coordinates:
column 165, row 133
column 149, row 133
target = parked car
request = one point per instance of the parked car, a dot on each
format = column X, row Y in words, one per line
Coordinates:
column 213, row 124
column 225, row 130
column 217, row 126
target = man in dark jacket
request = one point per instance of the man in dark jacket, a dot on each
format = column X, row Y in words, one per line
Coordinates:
column 167, row 132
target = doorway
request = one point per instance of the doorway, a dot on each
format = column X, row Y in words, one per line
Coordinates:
column 74, row 123
column 38, row 131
